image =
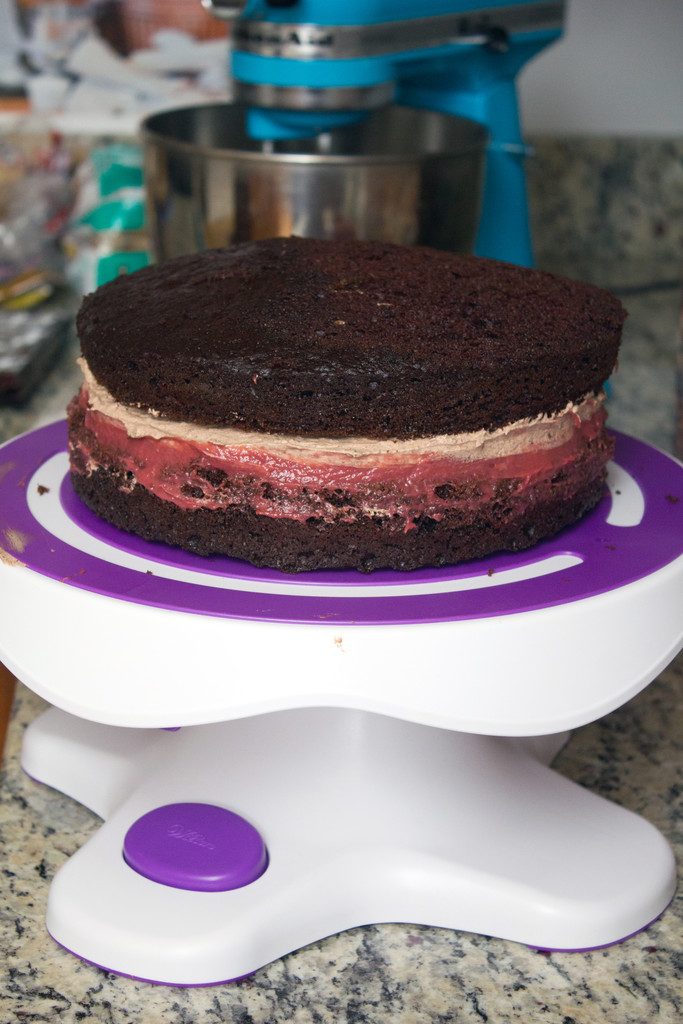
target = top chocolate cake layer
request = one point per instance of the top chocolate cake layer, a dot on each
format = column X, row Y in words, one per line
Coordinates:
column 348, row 338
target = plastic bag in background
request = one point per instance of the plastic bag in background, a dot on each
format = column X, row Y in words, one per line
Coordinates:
column 107, row 235
column 35, row 203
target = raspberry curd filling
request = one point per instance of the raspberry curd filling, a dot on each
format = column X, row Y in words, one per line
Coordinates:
column 331, row 480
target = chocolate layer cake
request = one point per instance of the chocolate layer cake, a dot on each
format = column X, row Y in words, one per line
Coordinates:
column 305, row 404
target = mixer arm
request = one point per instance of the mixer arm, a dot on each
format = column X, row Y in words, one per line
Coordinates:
column 480, row 85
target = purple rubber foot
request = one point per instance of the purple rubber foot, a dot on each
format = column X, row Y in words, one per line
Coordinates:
column 195, row 846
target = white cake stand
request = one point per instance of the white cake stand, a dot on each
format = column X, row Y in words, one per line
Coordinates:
column 387, row 736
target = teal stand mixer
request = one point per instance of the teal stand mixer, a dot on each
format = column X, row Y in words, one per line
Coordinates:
column 304, row 67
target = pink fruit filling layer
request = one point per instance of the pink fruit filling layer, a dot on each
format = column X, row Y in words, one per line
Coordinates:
column 335, row 486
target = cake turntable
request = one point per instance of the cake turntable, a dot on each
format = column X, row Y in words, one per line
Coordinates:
column 354, row 749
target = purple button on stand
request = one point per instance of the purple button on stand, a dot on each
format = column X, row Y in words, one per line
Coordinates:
column 195, row 846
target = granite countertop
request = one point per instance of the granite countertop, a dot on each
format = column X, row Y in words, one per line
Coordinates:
column 393, row 972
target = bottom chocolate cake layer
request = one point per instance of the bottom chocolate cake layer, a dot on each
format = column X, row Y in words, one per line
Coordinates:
column 503, row 524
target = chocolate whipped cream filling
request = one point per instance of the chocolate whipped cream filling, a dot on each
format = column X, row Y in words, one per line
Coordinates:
column 329, row 479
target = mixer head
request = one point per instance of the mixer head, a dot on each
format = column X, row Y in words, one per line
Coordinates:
column 303, row 67
column 306, row 67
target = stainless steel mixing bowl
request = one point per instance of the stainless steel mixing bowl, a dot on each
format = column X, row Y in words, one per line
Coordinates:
column 401, row 175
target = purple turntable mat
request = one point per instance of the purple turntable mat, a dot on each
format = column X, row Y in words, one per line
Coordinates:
column 610, row 557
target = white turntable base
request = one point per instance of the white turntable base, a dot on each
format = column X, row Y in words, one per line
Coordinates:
column 384, row 765
column 366, row 819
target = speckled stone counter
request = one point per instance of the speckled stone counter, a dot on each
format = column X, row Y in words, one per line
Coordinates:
column 609, row 210
column 393, row 972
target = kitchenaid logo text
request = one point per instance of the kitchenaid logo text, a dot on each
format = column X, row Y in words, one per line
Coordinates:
column 188, row 835
column 291, row 37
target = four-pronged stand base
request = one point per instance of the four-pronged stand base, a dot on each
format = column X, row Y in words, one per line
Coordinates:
column 365, row 819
